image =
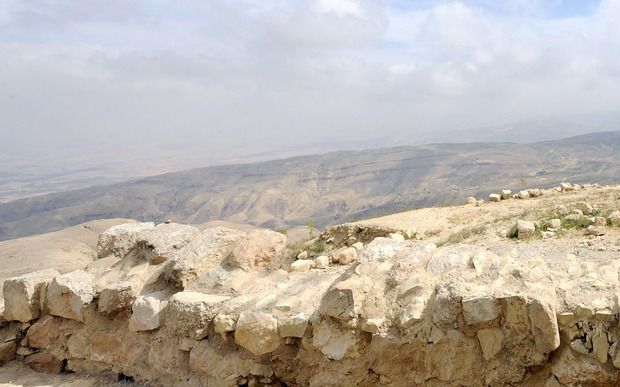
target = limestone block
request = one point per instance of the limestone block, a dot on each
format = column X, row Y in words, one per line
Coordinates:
column 23, row 295
column 257, row 332
column 68, row 293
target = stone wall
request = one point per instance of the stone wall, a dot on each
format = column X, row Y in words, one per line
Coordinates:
column 404, row 314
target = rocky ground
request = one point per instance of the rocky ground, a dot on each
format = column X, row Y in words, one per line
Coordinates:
column 517, row 291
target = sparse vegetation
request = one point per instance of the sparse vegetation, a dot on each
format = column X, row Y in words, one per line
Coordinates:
column 282, row 230
column 462, row 235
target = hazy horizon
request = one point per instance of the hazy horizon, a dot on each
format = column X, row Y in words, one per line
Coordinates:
column 196, row 83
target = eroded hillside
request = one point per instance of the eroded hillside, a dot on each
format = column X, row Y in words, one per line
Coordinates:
column 329, row 189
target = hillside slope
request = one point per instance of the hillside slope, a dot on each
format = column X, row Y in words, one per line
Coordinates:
column 329, row 188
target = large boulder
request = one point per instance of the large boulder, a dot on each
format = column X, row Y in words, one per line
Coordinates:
column 160, row 243
column 260, row 249
column 23, row 295
column 205, row 252
column 120, row 239
column 257, row 332
column 190, row 314
column 68, row 293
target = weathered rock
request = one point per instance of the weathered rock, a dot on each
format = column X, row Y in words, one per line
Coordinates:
column 480, row 309
column 566, row 187
column 302, row 265
column 44, row 362
column 345, row 255
column 68, row 293
column 584, row 207
column 490, row 342
column 160, row 243
column 23, row 295
column 294, row 326
column 495, row 198
column 471, row 201
column 115, row 299
column 190, row 314
column 257, row 332
column 203, row 253
column 525, row 229
column 147, row 312
column 553, row 224
column 596, row 230
column 599, row 221
column 506, row 194
column 544, row 326
column 7, row 351
column 614, row 218
column 523, row 194
column 534, row 192
column 119, row 240
column 321, row 262
column 44, row 332
column 260, row 249
column 333, row 341
column 224, row 323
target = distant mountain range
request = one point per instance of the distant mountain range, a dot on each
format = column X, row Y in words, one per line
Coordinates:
column 327, row 188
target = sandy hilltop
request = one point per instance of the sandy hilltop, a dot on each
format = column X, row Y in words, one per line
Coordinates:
column 516, row 288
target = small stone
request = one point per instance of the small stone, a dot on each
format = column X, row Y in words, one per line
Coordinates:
column 490, row 342
column 584, row 207
column 396, row 236
column 494, row 198
column 544, row 326
column 412, row 313
column 506, row 194
column 224, row 323
column 294, row 326
column 257, row 332
column 596, row 230
column 345, row 255
column 190, row 314
column 321, row 262
column 302, row 255
column 523, row 194
column 525, row 229
column 566, row 187
column 45, row 363
column 471, row 201
column 600, row 221
column 7, row 351
column 302, row 265
column 146, row 312
column 534, row 192
column 116, row 299
column 480, row 309
column 372, row 325
column 358, row 246
column 553, row 224
column 566, row 318
column 479, row 202
column 614, row 218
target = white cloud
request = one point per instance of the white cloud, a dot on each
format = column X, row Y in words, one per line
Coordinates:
column 339, row 7
column 262, row 74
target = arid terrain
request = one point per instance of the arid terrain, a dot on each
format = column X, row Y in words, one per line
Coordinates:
column 327, row 189
column 518, row 289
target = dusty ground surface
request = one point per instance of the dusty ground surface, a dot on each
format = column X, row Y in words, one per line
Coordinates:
column 16, row 374
column 487, row 224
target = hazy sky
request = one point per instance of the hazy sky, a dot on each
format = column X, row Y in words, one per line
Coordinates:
column 120, row 78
